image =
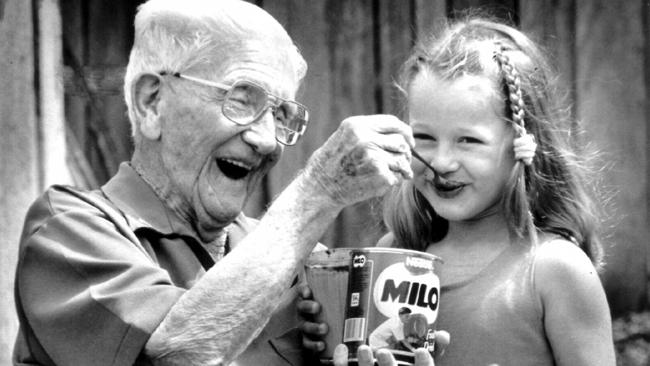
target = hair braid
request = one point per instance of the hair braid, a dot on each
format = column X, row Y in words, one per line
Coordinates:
column 513, row 83
column 524, row 223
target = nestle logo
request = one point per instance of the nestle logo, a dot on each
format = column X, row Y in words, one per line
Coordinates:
column 419, row 263
column 358, row 261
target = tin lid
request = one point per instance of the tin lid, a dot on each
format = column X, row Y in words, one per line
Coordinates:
column 341, row 256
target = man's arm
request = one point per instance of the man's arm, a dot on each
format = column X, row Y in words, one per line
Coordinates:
column 217, row 319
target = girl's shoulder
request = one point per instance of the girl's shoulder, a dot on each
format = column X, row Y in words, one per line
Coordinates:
column 561, row 264
column 557, row 253
column 576, row 316
column 386, row 241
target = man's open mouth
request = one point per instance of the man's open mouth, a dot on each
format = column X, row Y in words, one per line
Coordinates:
column 233, row 169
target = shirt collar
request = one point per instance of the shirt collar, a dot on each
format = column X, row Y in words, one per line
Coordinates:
column 143, row 208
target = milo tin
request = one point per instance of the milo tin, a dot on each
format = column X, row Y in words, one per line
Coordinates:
column 382, row 297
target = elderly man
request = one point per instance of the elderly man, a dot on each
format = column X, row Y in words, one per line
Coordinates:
column 159, row 266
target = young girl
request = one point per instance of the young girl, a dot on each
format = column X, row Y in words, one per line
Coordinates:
column 504, row 204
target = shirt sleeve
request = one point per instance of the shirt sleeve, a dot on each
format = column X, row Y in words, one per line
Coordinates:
column 89, row 294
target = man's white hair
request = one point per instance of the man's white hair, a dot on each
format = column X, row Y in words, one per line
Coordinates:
column 177, row 35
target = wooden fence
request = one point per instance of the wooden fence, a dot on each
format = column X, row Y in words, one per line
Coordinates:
column 353, row 48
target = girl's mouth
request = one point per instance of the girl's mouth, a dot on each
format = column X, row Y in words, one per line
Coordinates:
column 446, row 188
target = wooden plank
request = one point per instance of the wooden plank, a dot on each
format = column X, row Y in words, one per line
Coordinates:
column 76, row 104
column 99, row 81
column 109, row 39
column 52, row 124
column 612, row 103
column 428, row 14
column 19, row 157
column 552, row 24
column 503, row 9
column 395, row 35
column 646, row 57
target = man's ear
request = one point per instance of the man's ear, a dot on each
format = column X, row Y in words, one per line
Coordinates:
column 146, row 95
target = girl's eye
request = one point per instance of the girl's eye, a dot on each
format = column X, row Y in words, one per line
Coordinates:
column 423, row 137
column 470, row 140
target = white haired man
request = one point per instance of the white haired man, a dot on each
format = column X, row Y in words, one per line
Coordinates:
column 160, row 266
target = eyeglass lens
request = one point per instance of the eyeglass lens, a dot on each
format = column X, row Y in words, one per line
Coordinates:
column 245, row 102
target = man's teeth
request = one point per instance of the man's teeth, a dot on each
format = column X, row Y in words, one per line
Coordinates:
column 238, row 163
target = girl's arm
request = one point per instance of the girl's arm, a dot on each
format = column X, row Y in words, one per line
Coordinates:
column 576, row 314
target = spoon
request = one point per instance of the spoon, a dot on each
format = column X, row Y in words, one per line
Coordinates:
column 422, row 160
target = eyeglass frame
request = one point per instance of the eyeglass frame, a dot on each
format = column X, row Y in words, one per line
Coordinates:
column 272, row 101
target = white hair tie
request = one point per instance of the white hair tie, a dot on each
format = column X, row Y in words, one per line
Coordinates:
column 525, row 148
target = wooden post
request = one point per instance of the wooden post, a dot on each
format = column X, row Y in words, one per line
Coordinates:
column 50, row 62
column 19, row 178
column 611, row 104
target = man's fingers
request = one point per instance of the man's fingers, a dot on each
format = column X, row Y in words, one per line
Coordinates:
column 364, row 158
column 384, row 124
column 401, row 163
column 314, row 346
column 394, row 143
column 308, row 307
column 313, row 329
column 396, row 153
column 304, row 292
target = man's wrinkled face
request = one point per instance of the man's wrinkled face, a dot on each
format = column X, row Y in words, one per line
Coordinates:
column 214, row 164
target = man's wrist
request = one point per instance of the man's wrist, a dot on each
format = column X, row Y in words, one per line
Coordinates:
column 312, row 187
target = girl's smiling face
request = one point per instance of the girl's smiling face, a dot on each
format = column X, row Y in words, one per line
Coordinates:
column 458, row 127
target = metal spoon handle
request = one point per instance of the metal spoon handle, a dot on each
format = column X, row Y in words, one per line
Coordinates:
column 421, row 159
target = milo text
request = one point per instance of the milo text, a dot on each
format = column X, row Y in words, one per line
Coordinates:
column 411, row 293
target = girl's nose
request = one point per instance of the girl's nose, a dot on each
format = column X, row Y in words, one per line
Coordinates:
column 444, row 160
column 261, row 133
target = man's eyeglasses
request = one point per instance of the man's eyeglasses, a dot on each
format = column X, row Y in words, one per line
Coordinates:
column 246, row 101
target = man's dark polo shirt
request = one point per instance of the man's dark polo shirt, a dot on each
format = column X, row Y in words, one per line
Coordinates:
column 98, row 271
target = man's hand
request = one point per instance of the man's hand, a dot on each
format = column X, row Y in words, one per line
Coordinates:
column 362, row 159
column 384, row 357
column 313, row 333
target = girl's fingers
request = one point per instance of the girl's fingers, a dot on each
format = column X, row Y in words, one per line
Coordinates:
column 340, row 356
column 423, row 357
column 385, row 358
column 364, row 356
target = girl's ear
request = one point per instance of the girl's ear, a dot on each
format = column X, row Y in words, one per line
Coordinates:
column 146, row 95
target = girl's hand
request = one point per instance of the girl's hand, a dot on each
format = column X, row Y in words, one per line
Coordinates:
column 384, row 357
column 312, row 332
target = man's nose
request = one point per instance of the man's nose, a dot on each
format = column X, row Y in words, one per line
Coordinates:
column 260, row 134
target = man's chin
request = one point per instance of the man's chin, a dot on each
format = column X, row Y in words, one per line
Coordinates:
column 222, row 213
column 219, row 209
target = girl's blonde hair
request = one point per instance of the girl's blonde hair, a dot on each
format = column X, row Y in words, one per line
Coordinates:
column 549, row 195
